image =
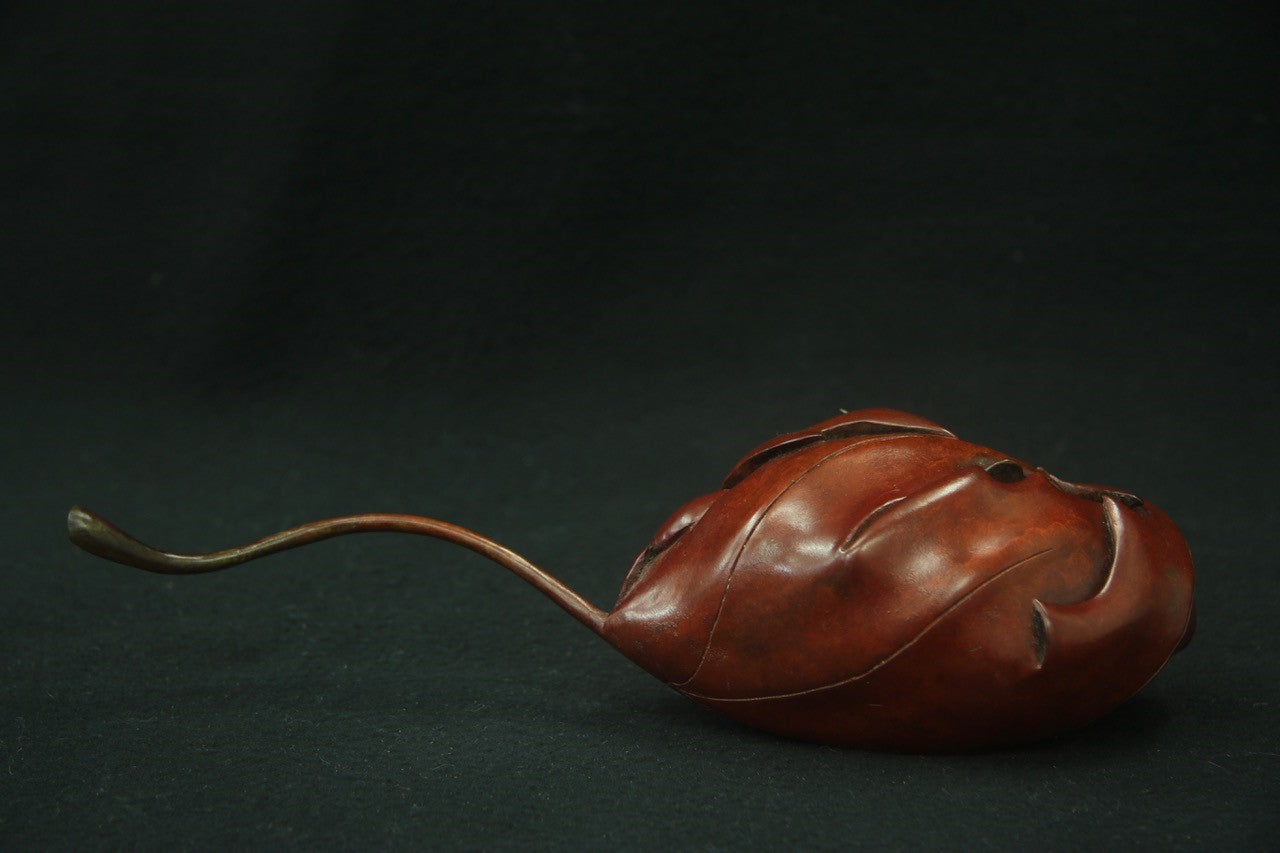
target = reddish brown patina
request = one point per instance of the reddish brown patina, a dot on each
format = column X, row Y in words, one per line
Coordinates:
column 871, row 581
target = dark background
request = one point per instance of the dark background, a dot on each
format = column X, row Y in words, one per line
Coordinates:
column 547, row 270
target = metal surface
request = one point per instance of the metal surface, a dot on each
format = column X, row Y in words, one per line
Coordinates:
column 873, row 581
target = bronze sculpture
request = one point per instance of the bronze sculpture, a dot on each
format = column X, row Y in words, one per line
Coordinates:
column 872, row 581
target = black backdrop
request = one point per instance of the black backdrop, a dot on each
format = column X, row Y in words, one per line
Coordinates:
column 546, row 270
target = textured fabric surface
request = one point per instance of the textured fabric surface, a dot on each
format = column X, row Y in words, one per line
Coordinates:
column 546, row 271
